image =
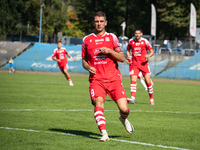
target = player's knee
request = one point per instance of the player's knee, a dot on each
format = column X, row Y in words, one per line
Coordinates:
column 133, row 78
column 98, row 101
column 124, row 111
column 65, row 72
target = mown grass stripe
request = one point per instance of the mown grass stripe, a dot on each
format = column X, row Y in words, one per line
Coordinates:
column 125, row 141
column 147, row 111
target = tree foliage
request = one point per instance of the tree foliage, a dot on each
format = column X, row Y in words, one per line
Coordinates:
column 174, row 17
column 74, row 17
column 72, row 25
column 54, row 15
column 10, row 16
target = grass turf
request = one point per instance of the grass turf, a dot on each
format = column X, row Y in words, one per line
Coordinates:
column 57, row 116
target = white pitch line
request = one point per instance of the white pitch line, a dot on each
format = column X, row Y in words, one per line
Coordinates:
column 69, row 134
column 147, row 111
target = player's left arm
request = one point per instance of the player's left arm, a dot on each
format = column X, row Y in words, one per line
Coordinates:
column 70, row 57
column 150, row 54
column 150, row 48
column 117, row 53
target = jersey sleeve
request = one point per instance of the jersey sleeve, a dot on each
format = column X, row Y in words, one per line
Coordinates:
column 116, row 44
column 83, row 49
column 148, row 45
column 129, row 45
column 65, row 51
column 54, row 53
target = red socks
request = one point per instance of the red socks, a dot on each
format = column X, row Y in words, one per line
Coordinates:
column 133, row 88
column 69, row 79
column 99, row 117
column 150, row 90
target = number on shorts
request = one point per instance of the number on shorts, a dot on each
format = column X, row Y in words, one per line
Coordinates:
column 92, row 92
column 132, row 72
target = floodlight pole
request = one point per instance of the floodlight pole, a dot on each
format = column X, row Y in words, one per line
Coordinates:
column 40, row 22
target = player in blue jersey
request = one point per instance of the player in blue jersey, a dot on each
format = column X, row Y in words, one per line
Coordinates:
column 11, row 65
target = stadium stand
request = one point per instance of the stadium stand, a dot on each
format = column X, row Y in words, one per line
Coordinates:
column 188, row 69
column 11, row 49
column 38, row 58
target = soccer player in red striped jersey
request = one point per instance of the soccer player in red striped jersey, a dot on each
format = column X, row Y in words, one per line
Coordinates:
column 138, row 47
column 59, row 55
column 140, row 77
column 100, row 53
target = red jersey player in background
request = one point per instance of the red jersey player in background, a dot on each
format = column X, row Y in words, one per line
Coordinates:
column 100, row 53
column 59, row 55
column 139, row 47
column 140, row 77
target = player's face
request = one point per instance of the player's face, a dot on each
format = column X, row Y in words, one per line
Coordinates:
column 138, row 35
column 59, row 45
column 99, row 24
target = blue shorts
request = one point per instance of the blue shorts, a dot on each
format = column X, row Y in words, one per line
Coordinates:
column 11, row 65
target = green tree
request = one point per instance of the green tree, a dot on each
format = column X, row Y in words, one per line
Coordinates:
column 115, row 11
column 135, row 13
column 72, row 25
column 174, row 17
column 11, row 21
column 54, row 16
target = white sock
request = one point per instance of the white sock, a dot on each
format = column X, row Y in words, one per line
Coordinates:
column 143, row 83
column 104, row 132
column 132, row 97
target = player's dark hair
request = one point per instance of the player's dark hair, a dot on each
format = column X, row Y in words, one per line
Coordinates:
column 138, row 29
column 59, row 42
column 99, row 14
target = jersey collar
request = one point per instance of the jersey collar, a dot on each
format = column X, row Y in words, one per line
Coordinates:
column 136, row 40
column 100, row 35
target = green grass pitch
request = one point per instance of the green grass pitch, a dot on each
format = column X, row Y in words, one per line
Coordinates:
column 44, row 112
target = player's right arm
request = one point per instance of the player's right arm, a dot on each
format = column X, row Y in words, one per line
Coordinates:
column 85, row 63
column 128, row 54
column 87, row 67
column 58, row 60
column 54, row 56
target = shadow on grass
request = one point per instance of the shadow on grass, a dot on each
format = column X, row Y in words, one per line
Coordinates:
column 80, row 133
column 138, row 103
column 110, row 100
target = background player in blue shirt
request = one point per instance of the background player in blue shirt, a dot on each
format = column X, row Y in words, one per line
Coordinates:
column 11, row 65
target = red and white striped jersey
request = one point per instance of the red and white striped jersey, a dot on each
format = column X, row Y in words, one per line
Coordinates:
column 106, row 66
column 139, row 50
